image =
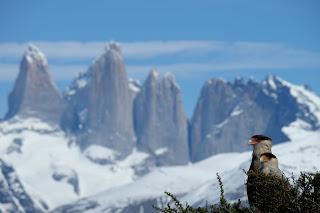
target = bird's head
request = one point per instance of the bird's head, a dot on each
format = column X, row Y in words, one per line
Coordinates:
column 261, row 144
column 268, row 159
column 256, row 139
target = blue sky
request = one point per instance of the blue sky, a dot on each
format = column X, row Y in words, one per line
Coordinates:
column 195, row 40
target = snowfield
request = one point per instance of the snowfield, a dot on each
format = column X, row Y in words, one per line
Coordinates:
column 39, row 152
column 53, row 168
column 69, row 172
column 197, row 183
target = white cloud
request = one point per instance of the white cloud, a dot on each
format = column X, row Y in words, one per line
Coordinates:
column 196, row 68
column 80, row 50
column 156, row 48
column 199, row 56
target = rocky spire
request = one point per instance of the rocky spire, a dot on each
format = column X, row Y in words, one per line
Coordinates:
column 34, row 93
column 108, row 112
column 160, row 121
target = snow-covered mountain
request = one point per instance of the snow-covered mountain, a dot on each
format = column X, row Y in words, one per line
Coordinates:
column 110, row 144
column 52, row 159
column 226, row 113
column 197, row 184
column 50, row 163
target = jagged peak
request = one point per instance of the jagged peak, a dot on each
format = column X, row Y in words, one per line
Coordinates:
column 169, row 76
column 154, row 75
column 113, row 46
column 273, row 81
column 112, row 51
column 215, row 80
column 239, row 81
column 271, row 77
column 34, row 54
column 252, row 81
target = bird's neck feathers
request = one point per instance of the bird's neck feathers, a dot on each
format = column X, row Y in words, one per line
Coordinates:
column 272, row 163
column 262, row 147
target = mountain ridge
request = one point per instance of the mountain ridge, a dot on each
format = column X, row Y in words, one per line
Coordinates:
column 58, row 154
column 103, row 107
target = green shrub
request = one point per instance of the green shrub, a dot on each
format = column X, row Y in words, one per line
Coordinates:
column 308, row 186
column 270, row 194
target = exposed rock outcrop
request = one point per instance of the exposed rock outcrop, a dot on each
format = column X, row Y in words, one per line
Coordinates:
column 34, row 93
column 160, row 122
column 102, row 103
column 226, row 113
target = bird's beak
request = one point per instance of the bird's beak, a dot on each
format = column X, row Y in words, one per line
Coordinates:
column 252, row 142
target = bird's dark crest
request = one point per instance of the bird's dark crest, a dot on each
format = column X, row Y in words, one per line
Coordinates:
column 261, row 138
column 268, row 155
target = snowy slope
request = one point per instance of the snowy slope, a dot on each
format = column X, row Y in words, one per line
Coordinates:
column 196, row 183
column 13, row 196
column 302, row 153
column 50, row 163
column 305, row 97
column 52, row 167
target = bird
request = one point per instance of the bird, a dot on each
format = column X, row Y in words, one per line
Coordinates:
column 261, row 144
column 269, row 165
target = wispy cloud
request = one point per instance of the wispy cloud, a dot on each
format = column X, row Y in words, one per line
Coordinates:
column 79, row 50
column 175, row 56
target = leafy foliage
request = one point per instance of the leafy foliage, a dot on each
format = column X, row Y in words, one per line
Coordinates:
column 270, row 194
column 308, row 199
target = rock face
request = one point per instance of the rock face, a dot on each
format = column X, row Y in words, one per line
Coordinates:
column 228, row 113
column 103, row 104
column 34, row 93
column 160, row 122
column 70, row 176
column 102, row 107
column 13, row 197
